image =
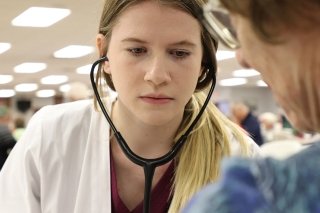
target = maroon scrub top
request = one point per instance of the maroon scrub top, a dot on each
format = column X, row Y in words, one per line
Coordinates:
column 160, row 195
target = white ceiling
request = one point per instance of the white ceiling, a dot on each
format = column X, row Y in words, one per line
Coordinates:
column 38, row 44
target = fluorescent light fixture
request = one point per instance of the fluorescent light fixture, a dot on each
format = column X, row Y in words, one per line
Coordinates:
column 4, row 79
column 46, row 93
column 261, row 83
column 26, row 87
column 40, row 17
column 225, row 54
column 64, row 88
column 73, row 51
column 4, row 47
column 86, row 69
column 30, row 67
column 242, row 73
column 6, row 93
column 54, row 79
column 233, row 82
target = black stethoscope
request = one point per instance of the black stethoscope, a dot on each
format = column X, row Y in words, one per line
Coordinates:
column 148, row 165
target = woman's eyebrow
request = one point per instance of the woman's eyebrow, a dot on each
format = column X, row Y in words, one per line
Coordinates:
column 179, row 43
column 184, row 43
column 132, row 39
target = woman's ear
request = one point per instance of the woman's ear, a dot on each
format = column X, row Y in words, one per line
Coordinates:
column 101, row 43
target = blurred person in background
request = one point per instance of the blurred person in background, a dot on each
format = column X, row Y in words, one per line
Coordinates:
column 77, row 91
column 272, row 129
column 7, row 141
column 280, row 39
column 269, row 126
column 280, row 143
column 248, row 121
column 19, row 128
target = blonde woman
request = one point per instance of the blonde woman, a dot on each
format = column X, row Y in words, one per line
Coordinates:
column 159, row 59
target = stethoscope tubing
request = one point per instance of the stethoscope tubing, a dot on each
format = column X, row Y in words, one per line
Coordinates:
column 148, row 165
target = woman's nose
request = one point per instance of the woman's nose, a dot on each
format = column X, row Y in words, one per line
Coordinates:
column 158, row 72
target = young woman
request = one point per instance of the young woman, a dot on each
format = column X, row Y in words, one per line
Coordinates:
column 281, row 39
column 159, row 61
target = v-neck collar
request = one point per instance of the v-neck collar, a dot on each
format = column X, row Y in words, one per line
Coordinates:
column 160, row 194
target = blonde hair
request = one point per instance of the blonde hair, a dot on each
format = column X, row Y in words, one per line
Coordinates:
column 198, row 162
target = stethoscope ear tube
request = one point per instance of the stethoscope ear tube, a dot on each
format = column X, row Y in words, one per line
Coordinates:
column 148, row 165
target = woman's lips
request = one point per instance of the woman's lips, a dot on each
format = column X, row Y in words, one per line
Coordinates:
column 156, row 99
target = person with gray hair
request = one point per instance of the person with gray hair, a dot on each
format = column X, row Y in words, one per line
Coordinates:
column 280, row 39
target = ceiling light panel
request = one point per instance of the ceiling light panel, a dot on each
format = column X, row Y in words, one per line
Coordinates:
column 233, row 82
column 7, row 93
column 225, row 54
column 26, row 87
column 243, row 73
column 54, row 79
column 46, row 93
column 261, row 83
column 73, row 51
column 4, row 47
column 86, row 69
column 30, row 67
column 4, row 79
column 40, row 17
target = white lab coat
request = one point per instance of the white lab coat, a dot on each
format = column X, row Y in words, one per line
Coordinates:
column 62, row 163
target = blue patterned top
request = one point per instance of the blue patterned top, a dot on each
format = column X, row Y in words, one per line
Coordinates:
column 264, row 185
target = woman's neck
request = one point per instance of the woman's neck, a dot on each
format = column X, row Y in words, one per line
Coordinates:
column 148, row 141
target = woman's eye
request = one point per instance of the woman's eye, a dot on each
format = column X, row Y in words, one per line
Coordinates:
column 137, row 51
column 180, row 54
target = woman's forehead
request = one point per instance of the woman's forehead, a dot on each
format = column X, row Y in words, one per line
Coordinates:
column 153, row 20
